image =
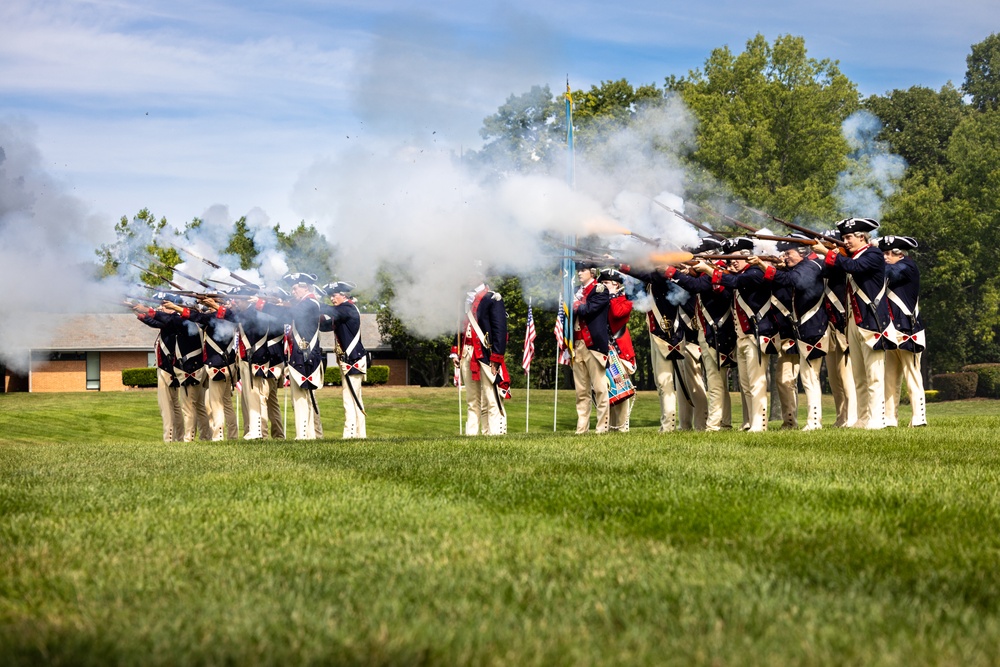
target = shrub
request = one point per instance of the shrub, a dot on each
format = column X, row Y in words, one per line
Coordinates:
column 955, row 386
column 376, row 375
column 931, row 396
column 139, row 377
column 988, row 385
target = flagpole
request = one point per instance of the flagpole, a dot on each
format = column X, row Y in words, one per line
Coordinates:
column 458, row 360
column 527, row 382
column 567, row 262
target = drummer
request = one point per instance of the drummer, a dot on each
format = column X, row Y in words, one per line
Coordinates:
column 621, row 390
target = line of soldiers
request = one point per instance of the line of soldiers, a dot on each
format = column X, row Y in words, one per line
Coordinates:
column 256, row 343
column 857, row 308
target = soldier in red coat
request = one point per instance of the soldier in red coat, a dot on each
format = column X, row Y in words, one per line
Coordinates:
column 619, row 310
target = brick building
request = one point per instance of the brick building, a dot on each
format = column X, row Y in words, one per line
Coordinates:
column 88, row 352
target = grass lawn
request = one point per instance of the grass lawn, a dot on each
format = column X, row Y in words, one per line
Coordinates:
column 420, row 547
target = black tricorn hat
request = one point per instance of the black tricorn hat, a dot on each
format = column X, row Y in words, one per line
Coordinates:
column 855, row 225
column 737, row 244
column 244, row 290
column 790, row 245
column 612, row 275
column 897, row 243
column 339, row 287
column 709, row 244
column 299, row 278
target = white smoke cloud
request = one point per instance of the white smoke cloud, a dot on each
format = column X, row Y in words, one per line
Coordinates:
column 423, row 215
column 47, row 243
column 873, row 172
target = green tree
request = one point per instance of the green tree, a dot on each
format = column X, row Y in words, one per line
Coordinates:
column 524, row 135
column 955, row 216
column 770, row 124
column 982, row 75
column 306, row 250
column 918, row 123
column 241, row 244
column 138, row 241
column 610, row 106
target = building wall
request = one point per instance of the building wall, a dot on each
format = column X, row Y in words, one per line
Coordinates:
column 59, row 376
column 112, row 365
column 52, row 376
column 397, row 370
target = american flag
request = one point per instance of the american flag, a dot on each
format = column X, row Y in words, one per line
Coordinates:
column 562, row 351
column 529, row 343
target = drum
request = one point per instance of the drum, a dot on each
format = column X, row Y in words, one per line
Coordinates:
column 620, row 385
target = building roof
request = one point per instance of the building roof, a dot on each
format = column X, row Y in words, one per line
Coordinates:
column 106, row 332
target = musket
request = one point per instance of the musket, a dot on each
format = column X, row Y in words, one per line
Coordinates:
column 791, row 225
column 766, row 258
column 785, row 239
column 154, row 273
column 591, row 254
column 182, row 274
column 708, row 230
column 222, row 282
column 645, row 239
column 216, row 296
column 727, row 218
column 129, row 297
column 213, row 265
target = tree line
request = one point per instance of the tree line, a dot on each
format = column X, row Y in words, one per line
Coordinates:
column 768, row 133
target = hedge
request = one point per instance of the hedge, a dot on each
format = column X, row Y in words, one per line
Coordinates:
column 955, row 386
column 376, row 375
column 988, row 385
column 139, row 377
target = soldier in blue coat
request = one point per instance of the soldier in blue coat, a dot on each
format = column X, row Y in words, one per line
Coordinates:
column 839, row 369
column 343, row 318
column 303, row 355
column 905, row 328
column 801, row 272
column 666, row 339
column 260, row 373
column 167, row 383
column 220, row 329
column 864, row 266
column 755, row 331
column 494, row 381
column 189, row 368
column 716, row 339
column 591, row 338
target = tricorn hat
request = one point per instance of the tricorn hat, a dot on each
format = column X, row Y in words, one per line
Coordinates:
column 897, row 243
column 612, row 275
column 737, row 244
column 709, row 244
column 791, row 245
column 856, row 225
column 299, row 278
column 339, row 287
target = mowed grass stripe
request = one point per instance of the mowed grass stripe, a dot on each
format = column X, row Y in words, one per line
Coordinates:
column 781, row 548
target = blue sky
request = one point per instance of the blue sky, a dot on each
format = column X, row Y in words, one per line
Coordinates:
column 180, row 106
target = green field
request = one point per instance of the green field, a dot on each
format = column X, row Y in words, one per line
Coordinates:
column 420, row 547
